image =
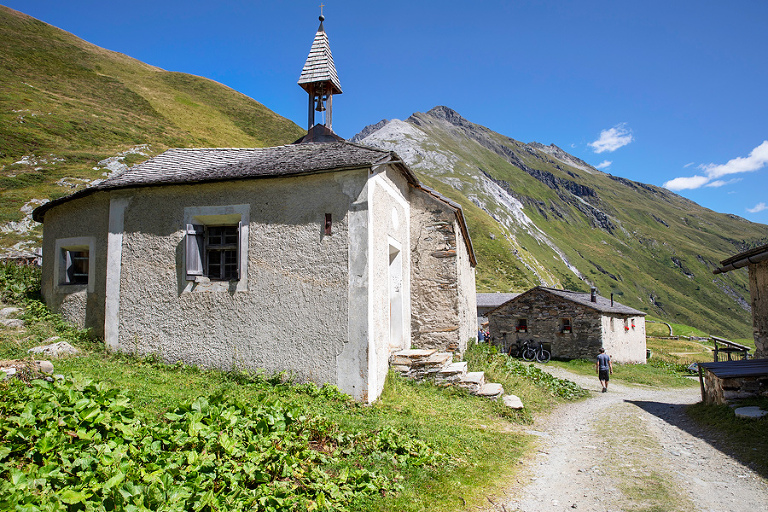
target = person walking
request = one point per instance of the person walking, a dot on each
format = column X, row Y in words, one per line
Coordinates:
column 604, row 368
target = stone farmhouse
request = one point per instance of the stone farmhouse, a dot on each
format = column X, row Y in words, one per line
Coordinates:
column 756, row 260
column 572, row 325
column 319, row 258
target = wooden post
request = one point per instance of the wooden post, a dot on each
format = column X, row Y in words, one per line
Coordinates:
column 701, row 383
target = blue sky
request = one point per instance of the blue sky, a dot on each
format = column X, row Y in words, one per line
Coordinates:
column 663, row 92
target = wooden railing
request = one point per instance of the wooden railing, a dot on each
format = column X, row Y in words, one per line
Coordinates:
column 726, row 350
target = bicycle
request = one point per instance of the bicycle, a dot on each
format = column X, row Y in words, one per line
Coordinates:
column 517, row 350
column 540, row 354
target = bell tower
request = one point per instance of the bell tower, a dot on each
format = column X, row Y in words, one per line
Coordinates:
column 320, row 80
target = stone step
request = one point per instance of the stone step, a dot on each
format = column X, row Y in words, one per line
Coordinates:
column 410, row 355
column 472, row 382
column 439, row 360
column 459, row 368
column 452, row 373
column 491, row 390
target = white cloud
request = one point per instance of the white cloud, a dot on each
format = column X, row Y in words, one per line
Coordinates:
column 612, row 139
column 757, row 159
column 688, row 165
column 720, row 183
column 758, row 208
column 604, row 164
column 686, row 183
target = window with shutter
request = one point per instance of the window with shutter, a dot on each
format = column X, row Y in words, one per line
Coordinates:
column 74, row 266
column 216, row 247
column 76, row 271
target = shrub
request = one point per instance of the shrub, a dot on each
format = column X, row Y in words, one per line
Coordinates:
column 19, row 282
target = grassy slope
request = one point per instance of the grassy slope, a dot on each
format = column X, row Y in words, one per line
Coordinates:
column 65, row 98
column 658, row 258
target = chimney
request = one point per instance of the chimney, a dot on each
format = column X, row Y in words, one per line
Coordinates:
column 611, row 299
column 593, row 296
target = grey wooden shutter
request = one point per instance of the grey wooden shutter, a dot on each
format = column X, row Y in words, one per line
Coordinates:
column 194, row 250
column 69, row 270
column 240, row 242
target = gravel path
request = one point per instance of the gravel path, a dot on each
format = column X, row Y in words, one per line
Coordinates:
column 632, row 448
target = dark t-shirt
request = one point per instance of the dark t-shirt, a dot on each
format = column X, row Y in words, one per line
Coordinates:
column 603, row 361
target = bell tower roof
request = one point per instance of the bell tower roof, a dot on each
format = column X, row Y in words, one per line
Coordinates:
column 319, row 67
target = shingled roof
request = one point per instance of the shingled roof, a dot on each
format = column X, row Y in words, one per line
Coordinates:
column 195, row 165
column 319, row 66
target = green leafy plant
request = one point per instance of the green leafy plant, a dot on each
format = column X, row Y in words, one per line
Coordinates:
column 79, row 445
column 486, row 354
column 19, row 282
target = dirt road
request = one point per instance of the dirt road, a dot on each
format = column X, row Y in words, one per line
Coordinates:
column 632, row 448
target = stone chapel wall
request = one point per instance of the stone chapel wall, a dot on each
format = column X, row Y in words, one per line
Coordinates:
column 436, row 321
column 294, row 313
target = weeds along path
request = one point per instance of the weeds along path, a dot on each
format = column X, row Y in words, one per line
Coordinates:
column 632, row 448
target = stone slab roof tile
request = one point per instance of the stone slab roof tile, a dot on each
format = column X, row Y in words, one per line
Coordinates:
column 603, row 305
column 195, row 165
column 493, row 300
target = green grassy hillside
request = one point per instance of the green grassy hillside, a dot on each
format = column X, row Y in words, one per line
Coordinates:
column 540, row 216
column 66, row 105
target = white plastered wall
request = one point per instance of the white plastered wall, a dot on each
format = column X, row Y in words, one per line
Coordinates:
column 623, row 342
column 467, row 292
column 389, row 221
column 80, row 223
column 294, row 315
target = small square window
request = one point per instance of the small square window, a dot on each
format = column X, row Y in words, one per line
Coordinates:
column 522, row 325
column 75, row 264
column 76, row 267
column 565, row 325
column 221, row 247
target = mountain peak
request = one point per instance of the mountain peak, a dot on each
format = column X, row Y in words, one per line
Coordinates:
column 440, row 113
column 448, row 114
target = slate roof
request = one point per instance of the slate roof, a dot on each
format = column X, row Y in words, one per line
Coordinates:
column 195, row 165
column 743, row 259
column 319, row 66
column 493, row 300
column 602, row 305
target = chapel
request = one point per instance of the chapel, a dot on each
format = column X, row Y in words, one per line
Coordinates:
column 319, row 258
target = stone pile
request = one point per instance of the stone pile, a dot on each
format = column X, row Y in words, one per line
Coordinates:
column 26, row 370
column 31, row 369
column 8, row 318
column 420, row 364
